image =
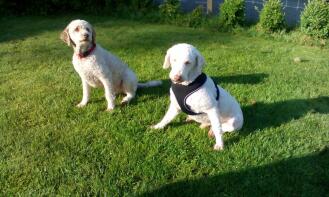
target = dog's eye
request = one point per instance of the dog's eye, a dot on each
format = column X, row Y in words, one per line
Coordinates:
column 187, row 63
column 77, row 29
column 88, row 30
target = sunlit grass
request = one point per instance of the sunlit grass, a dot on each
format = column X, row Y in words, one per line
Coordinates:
column 48, row 146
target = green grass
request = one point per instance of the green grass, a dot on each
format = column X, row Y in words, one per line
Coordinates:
column 48, row 146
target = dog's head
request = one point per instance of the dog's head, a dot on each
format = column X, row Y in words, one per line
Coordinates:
column 78, row 33
column 186, row 63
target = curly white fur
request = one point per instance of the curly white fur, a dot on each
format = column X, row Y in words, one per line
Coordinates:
column 224, row 115
column 99, row 68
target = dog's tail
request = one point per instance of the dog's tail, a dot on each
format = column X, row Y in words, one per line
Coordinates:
column 153, row 83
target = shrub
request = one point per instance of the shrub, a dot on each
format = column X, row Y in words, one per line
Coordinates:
column 170, row 11
column 50, row 7
column 315, row 19
column 272, row 16
column 231, row 13
column 196, row 18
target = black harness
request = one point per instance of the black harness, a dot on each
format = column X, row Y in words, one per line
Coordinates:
column 182, row 92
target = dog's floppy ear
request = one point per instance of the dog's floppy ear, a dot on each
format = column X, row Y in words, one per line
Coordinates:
column 199, row 58
column 93, row 36
column 65, row 37
column 166, row 63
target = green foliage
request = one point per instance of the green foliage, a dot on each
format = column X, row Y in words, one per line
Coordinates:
column 49, row 7
column 272, row 16
column 196, row 17
column 315, row 19
column 231, row 13
column 170, row 11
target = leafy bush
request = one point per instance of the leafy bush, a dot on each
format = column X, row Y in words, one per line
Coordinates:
column 231, row 13
column 315, row 19
column 272, row 16
column 50, row 7
column 170, row 11
column 196, row 17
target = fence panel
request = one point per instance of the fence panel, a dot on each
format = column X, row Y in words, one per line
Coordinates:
column 292, row 8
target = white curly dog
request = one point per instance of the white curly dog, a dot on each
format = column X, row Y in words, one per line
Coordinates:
column 197, row 95
column 99, row 68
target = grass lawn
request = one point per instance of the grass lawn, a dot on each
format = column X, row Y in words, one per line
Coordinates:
column 48, row 146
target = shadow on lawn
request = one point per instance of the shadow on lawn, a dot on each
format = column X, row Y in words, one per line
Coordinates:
column 263, row 115
column 305, row 176
column 113, row 34
column 254, row 78
column 18, row 28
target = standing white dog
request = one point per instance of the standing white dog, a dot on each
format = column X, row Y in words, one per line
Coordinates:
column 197, row 95
column 99, row 68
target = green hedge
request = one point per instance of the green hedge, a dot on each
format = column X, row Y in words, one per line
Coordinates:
column 272, row 17
column 315, row 19
column 51, row 7
column 170, row 11
column 232, row 13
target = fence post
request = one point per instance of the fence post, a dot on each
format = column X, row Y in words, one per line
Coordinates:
column 209, row 6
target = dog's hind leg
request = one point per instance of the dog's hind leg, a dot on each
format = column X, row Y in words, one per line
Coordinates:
column 232, row 124
column 129, row 96
column 129, row 86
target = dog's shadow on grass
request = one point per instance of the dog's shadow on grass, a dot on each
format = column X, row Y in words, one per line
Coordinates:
column 261, row 115
column 253, row 78
column 292, row 177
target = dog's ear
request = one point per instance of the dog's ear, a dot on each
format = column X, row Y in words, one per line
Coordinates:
column 65, row 37
column 166, row 63
column 93, row 36
column 199, row 58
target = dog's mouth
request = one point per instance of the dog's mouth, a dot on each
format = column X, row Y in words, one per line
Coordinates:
column 180, row 82
column 175, row 81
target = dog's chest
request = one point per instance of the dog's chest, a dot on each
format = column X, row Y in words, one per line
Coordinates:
column 90, row 70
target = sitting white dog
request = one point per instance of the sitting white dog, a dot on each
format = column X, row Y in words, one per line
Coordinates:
column 99, row 68
column 197, row 95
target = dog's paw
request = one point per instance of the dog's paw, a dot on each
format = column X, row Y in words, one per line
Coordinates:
column 211, row 134
column 157, row 126
column 124, row 103
column 218, row 147
column 204, row 126
column 188, row 119
column 110, row 109
column 80, row 105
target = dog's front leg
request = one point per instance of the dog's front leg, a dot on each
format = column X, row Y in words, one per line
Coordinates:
column 170, row 115
column 213, row 115
column 85, row 95
column 109, row 93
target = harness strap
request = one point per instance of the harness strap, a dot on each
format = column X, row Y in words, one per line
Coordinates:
column 182, row 92
column 217, row 91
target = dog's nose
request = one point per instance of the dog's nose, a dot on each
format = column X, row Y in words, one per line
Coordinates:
column 86, row 35
column 178, row 78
